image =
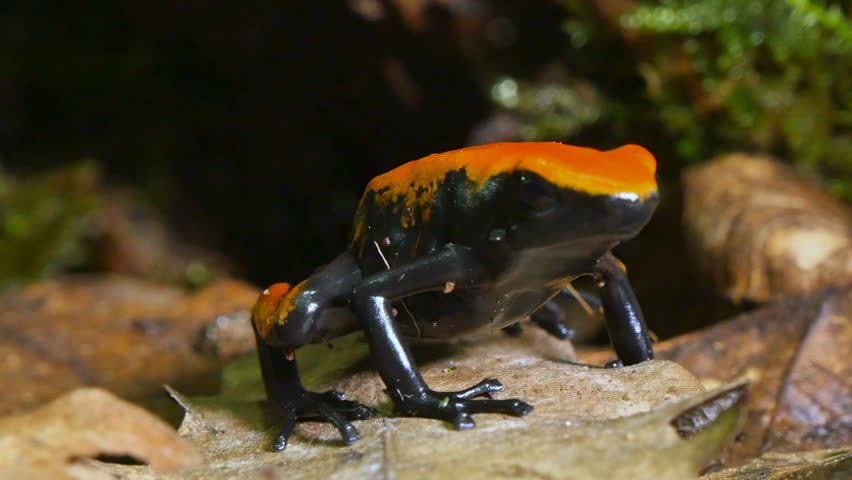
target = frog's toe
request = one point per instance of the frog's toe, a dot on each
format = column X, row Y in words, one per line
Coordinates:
column 462, row 410
column 355, row 411
column 332, row 395
column 484, row 387
column 514, row 407
column 335, row 400
column 348, row 432
column 325, row 407
column 463, row 421
column 520, row 408
column 287, row 427
column 280, row 443
column 457, row 409
column 361, row 412
column 614, row 364
column 562, row 332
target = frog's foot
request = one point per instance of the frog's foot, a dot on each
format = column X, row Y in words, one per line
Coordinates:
column 555, row 328
column 514, row 330
column 330, row 406
column 457, row 407
column 614, row 364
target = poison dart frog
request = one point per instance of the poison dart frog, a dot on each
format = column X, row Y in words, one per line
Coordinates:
column 472, row 239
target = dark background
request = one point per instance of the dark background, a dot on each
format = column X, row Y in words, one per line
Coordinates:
column 253, row 126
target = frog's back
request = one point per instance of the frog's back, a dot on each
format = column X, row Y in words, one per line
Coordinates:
column 629, row 168
column 454, row 197
column 468, row 197
column 414, row 210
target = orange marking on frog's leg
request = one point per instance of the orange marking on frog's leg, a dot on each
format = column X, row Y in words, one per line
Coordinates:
column 265, row 311
column 620, row 264
column 288, row 302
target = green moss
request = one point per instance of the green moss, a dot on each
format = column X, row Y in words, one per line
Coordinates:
column 43, row 223
column 716, row 76
column 774, row 75
column 552, row 110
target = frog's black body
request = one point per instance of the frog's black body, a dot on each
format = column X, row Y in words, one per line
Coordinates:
column 511, row 282
column 454, row 255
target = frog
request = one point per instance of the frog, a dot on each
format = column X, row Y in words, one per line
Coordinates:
column 464, row 241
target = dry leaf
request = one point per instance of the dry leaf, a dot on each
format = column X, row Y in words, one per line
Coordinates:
column 796, row 353
column 86, row 423
column 588, row 423
column 761, row 231
column 821, row 465
column 127, row 335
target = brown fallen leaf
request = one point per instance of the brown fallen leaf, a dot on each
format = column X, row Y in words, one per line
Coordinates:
column 588, row 422
column 49, row 442
column 796, row 353
column 760, row 231
column 127, row 335
column 824, row 464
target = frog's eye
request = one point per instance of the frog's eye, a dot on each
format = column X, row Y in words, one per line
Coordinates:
column 538, row 194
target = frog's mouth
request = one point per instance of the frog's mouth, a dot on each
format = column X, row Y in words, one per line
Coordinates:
column 584, row 223
column 629, row 215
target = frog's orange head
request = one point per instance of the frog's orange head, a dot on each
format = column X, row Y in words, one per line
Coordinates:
column 266, row 310
column 566, row 194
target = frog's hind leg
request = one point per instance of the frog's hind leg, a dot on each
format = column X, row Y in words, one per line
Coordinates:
column 309, row 313
column 549, row 318
column 555, row 316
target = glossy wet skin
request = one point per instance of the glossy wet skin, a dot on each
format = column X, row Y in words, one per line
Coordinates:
column 530, row 236
column 477, row 238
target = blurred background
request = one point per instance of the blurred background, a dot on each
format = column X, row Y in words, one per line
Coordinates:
column 181, row 141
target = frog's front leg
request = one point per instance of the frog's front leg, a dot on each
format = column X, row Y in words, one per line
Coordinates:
column 624, row 320
column 286, row 319
column 454, row 265
column 291, row 402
